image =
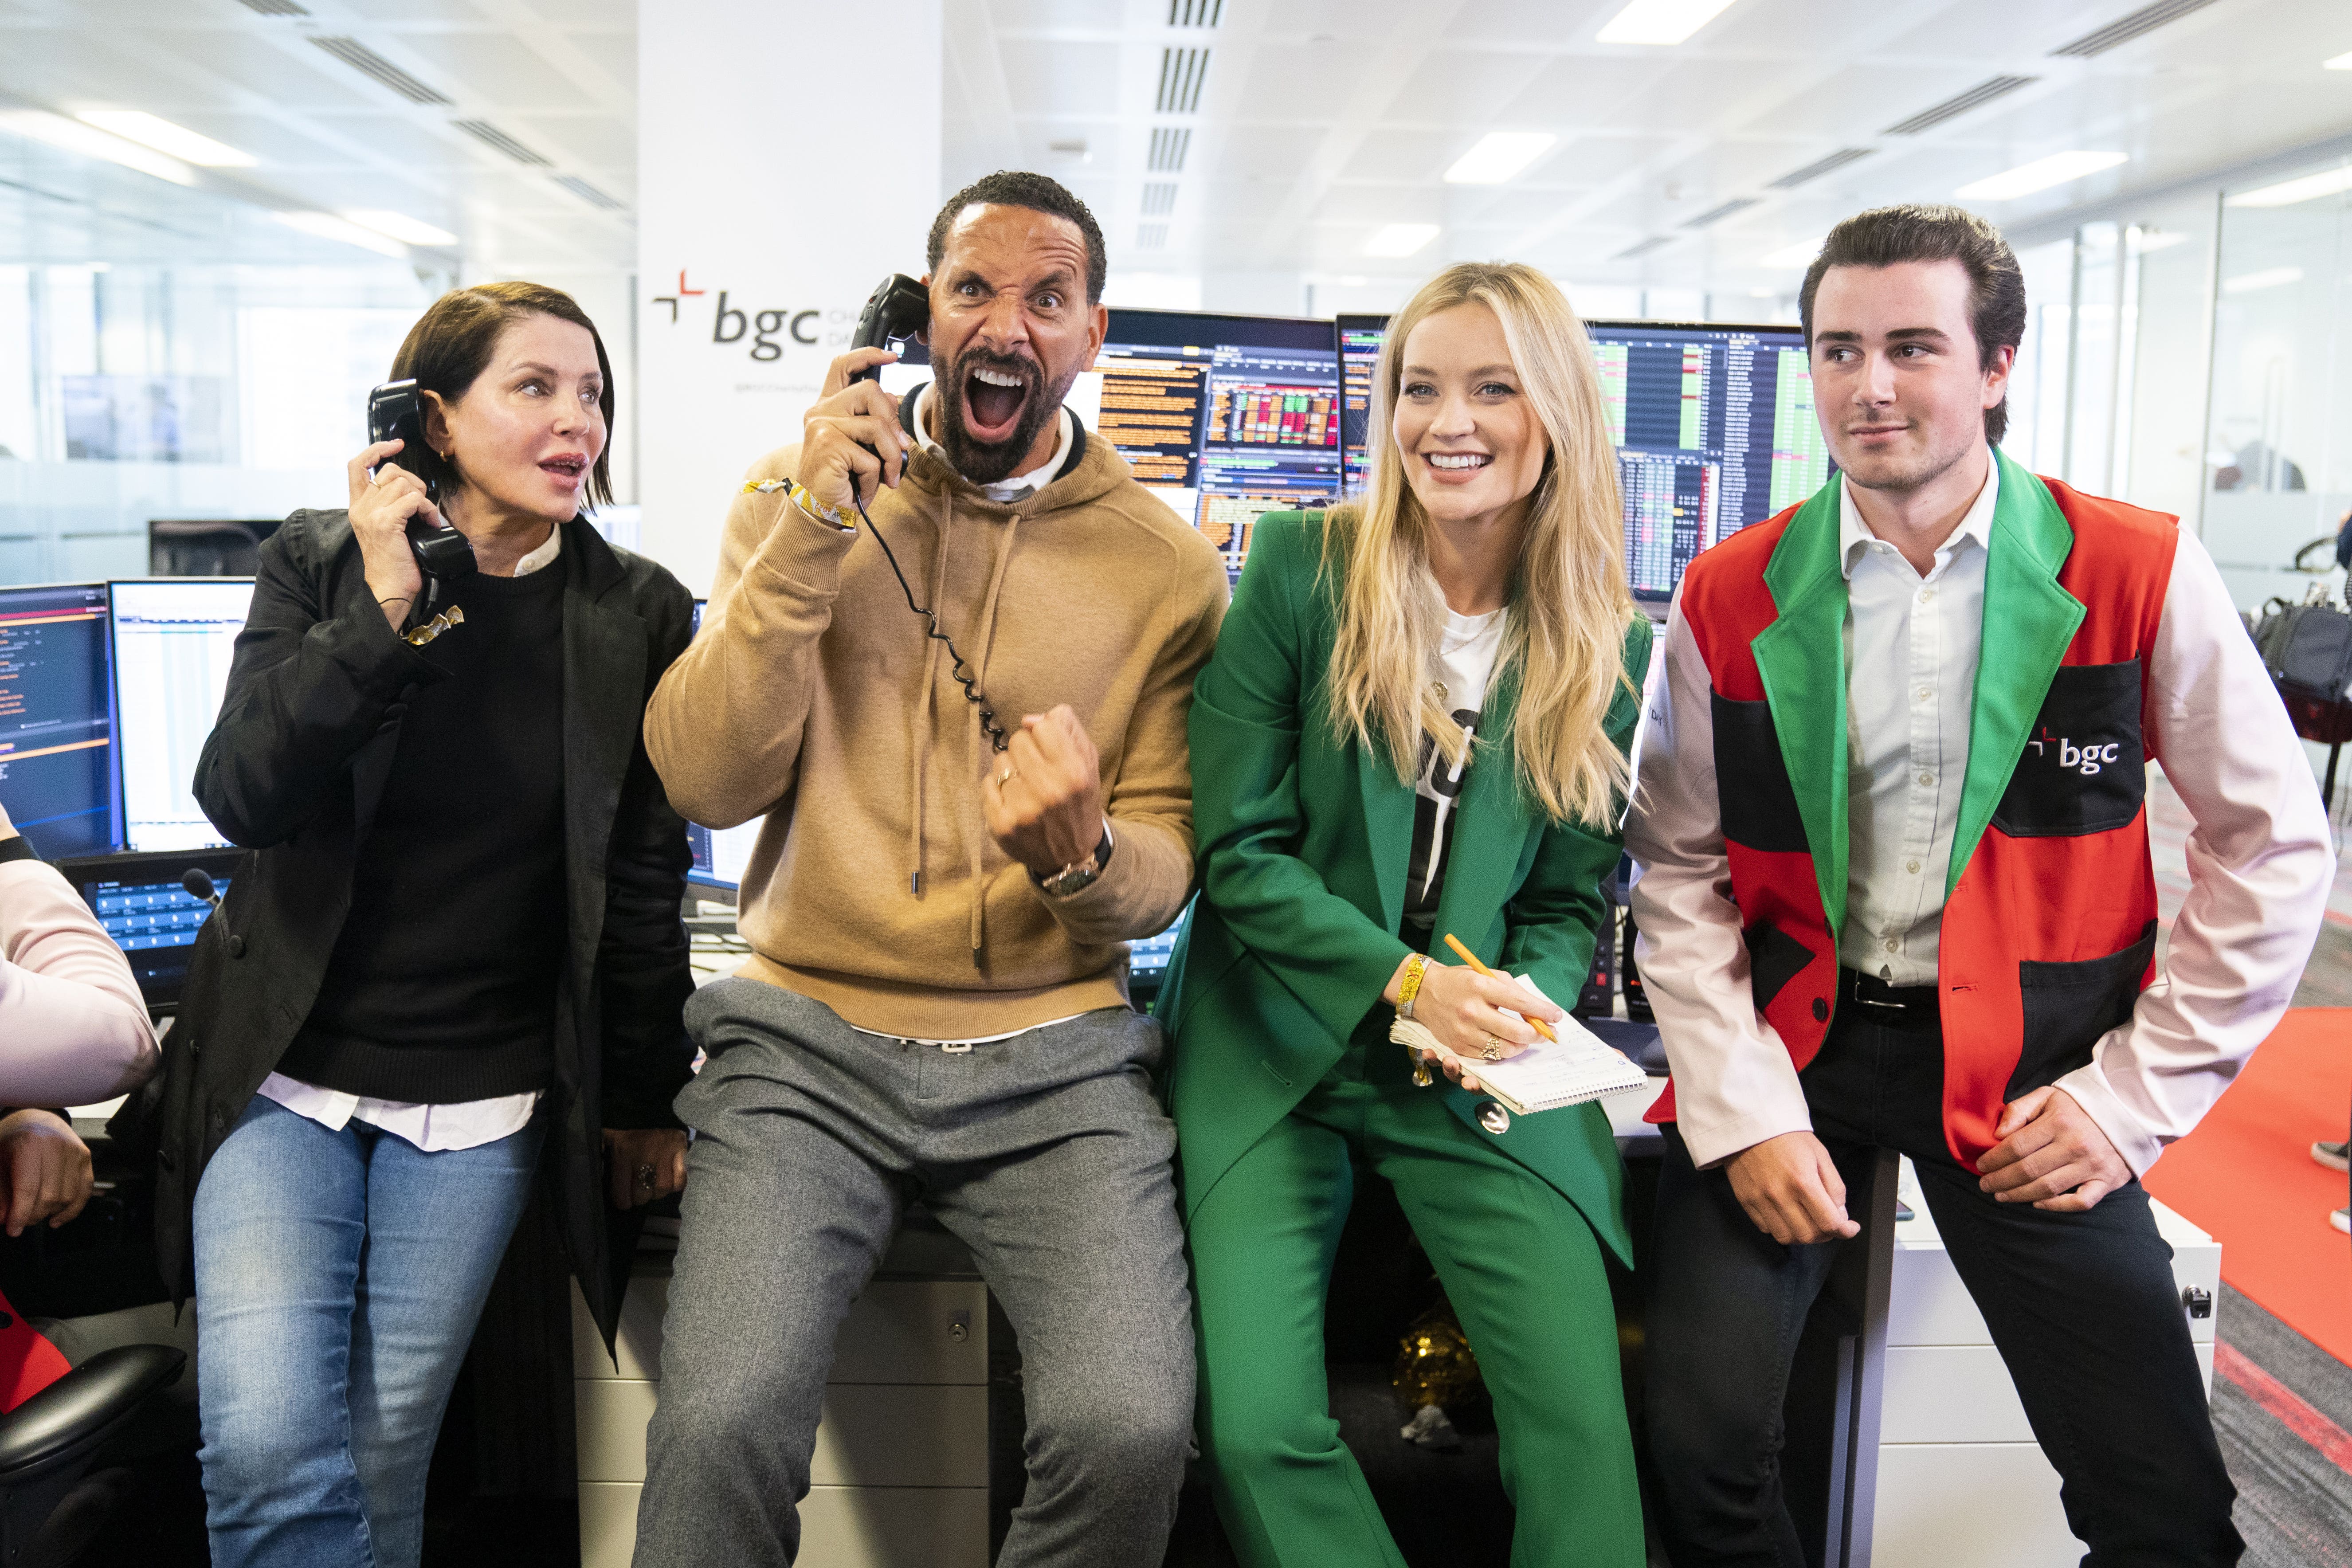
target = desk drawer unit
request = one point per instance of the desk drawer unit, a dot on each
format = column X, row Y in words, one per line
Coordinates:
column 1960, row 1480
column 899, row 1478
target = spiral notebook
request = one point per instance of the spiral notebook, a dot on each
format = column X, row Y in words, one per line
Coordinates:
column 1548, row 1075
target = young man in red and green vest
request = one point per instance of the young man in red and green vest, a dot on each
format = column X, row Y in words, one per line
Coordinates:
column 1894, row 892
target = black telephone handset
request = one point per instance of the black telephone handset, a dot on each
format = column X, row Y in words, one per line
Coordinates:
column 899, row 308
column 396, row 412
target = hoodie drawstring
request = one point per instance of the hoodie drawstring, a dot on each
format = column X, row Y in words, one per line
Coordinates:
column 980, row 680
column 922, row 746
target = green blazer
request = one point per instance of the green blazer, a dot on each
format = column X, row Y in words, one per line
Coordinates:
column 1303, row 845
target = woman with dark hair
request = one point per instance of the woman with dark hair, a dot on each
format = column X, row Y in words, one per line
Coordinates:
column 456, row 958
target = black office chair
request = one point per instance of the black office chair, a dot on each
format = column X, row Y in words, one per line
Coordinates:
column 48, row 1442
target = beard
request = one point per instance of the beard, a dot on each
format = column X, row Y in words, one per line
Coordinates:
column 1903, row 473
column 988, row 462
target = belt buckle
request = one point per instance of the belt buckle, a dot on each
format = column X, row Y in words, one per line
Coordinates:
column 955, row 1047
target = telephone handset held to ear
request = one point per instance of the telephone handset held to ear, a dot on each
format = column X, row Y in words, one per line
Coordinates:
column 899, row 308
column 396, row 412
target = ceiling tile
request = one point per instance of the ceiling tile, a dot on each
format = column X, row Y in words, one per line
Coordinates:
column 1062, row 79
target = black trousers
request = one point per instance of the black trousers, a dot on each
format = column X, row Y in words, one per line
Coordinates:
column 2082, row 1306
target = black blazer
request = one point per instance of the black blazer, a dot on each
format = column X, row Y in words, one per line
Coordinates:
column 293, row 771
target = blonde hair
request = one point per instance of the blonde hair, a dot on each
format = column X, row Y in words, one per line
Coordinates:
column 1569, row 604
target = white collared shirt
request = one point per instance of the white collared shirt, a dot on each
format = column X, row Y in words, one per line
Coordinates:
column 1911, row 648
column 467, row 1124
column 1004, row 492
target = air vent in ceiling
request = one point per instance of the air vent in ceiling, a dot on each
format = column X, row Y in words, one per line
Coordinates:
column 2124, row 29
column 1160, row 198
column 368, row 63
column 589, row 194
column 1169, row 144
column 1647, row 247
column 1189, row 12
column 1151, row 236
column 1718, row 213
column 489, row 135
column 276, row 7
column 1985, row 91
column 1820, row 166
column 1181, row 72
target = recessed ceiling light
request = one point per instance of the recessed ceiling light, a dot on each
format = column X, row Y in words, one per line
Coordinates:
column 1660, row 21
column 2147, row 239
column 2038, row 175
column 2269, row 278
column 400, row 225
column 2286, row 192
column 327, row 226
column 149, row 131
column 1800, row 254
column 91, row 142
column 1400, row 238
column 1498, row 155
column 2340, row 63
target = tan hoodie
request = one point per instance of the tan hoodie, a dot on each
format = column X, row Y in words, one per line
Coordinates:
column 813, row 696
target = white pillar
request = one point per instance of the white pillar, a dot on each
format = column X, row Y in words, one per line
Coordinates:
column 788, row 158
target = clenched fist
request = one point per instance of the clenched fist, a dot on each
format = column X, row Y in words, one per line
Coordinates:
column 1043, row 796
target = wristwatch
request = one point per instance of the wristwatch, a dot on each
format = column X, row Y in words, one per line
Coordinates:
column 1079, row 875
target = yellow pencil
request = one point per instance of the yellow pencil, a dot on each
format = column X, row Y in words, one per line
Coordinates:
column 1470, row 959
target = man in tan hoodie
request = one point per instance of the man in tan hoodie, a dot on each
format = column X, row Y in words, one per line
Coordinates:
column 938, row 907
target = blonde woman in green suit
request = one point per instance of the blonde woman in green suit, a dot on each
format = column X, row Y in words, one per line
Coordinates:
column 1415, row 723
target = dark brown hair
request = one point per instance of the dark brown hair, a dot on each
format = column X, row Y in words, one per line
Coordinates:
column 1038, row 193
column 450, row 345
column 1885, row 236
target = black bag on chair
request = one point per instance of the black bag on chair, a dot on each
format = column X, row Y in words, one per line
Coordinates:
column 2307, row 648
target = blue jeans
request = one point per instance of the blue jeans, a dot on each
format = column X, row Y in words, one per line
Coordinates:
column 339, row 1275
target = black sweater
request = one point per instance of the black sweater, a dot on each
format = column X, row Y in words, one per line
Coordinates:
column 442, row 986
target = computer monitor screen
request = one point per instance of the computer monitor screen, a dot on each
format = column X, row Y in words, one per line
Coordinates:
column 56, row 729
column 720, row 853
column 1715, row 430
column 173, row 641
column 150, row 915
column 1359, row 352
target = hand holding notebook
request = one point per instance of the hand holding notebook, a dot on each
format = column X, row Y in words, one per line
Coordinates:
column 1569, row 1069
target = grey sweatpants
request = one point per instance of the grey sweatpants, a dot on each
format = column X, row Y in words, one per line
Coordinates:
column 1045, row 1153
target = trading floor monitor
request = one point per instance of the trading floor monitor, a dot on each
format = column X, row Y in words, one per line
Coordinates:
column 1713, row 427
column 173, row 641
column 1224, row 418
column 1360, row 353
column 57, row 728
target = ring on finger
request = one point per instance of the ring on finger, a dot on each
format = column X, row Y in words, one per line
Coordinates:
column 1493, row 1051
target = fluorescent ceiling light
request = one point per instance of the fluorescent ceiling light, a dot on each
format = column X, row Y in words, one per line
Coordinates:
column 326, row 225
column 2038, row 175
column 400, row 225
column 91, row 142
column 1661, row 21
column 2269, row 278
column 1800, row 254
column 2144, row 240
column 1400, row 238
column 2340, row 63
column 181, row 143
column 1499, row 155
column 2286, row 192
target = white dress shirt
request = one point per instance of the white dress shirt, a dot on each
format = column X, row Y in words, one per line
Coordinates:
column 2258, row 866
column 465, row 1124
column 1911, row 646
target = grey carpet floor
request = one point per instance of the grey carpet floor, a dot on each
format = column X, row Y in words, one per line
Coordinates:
column 2294, row 1504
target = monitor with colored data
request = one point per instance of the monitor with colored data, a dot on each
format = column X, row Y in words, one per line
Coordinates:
column 1360, row 353
column 57, row 724
column 146, row 906
column 1224, row 418
column 720, row 853
column 1715, row 430
column 174, row 637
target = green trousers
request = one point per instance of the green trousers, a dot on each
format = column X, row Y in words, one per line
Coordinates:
column 1524, row 1273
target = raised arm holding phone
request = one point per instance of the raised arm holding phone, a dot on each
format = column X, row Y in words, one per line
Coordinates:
column 935, row 1007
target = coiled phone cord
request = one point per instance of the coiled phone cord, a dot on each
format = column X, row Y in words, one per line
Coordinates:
column 997, row 739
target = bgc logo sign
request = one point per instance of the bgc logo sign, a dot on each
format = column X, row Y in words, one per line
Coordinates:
column 2086, row 760
column 763, row 333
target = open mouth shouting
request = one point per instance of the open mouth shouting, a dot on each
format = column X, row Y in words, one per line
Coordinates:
column 995, row 397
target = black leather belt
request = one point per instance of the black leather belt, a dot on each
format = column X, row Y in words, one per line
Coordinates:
column 1890, row 1006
